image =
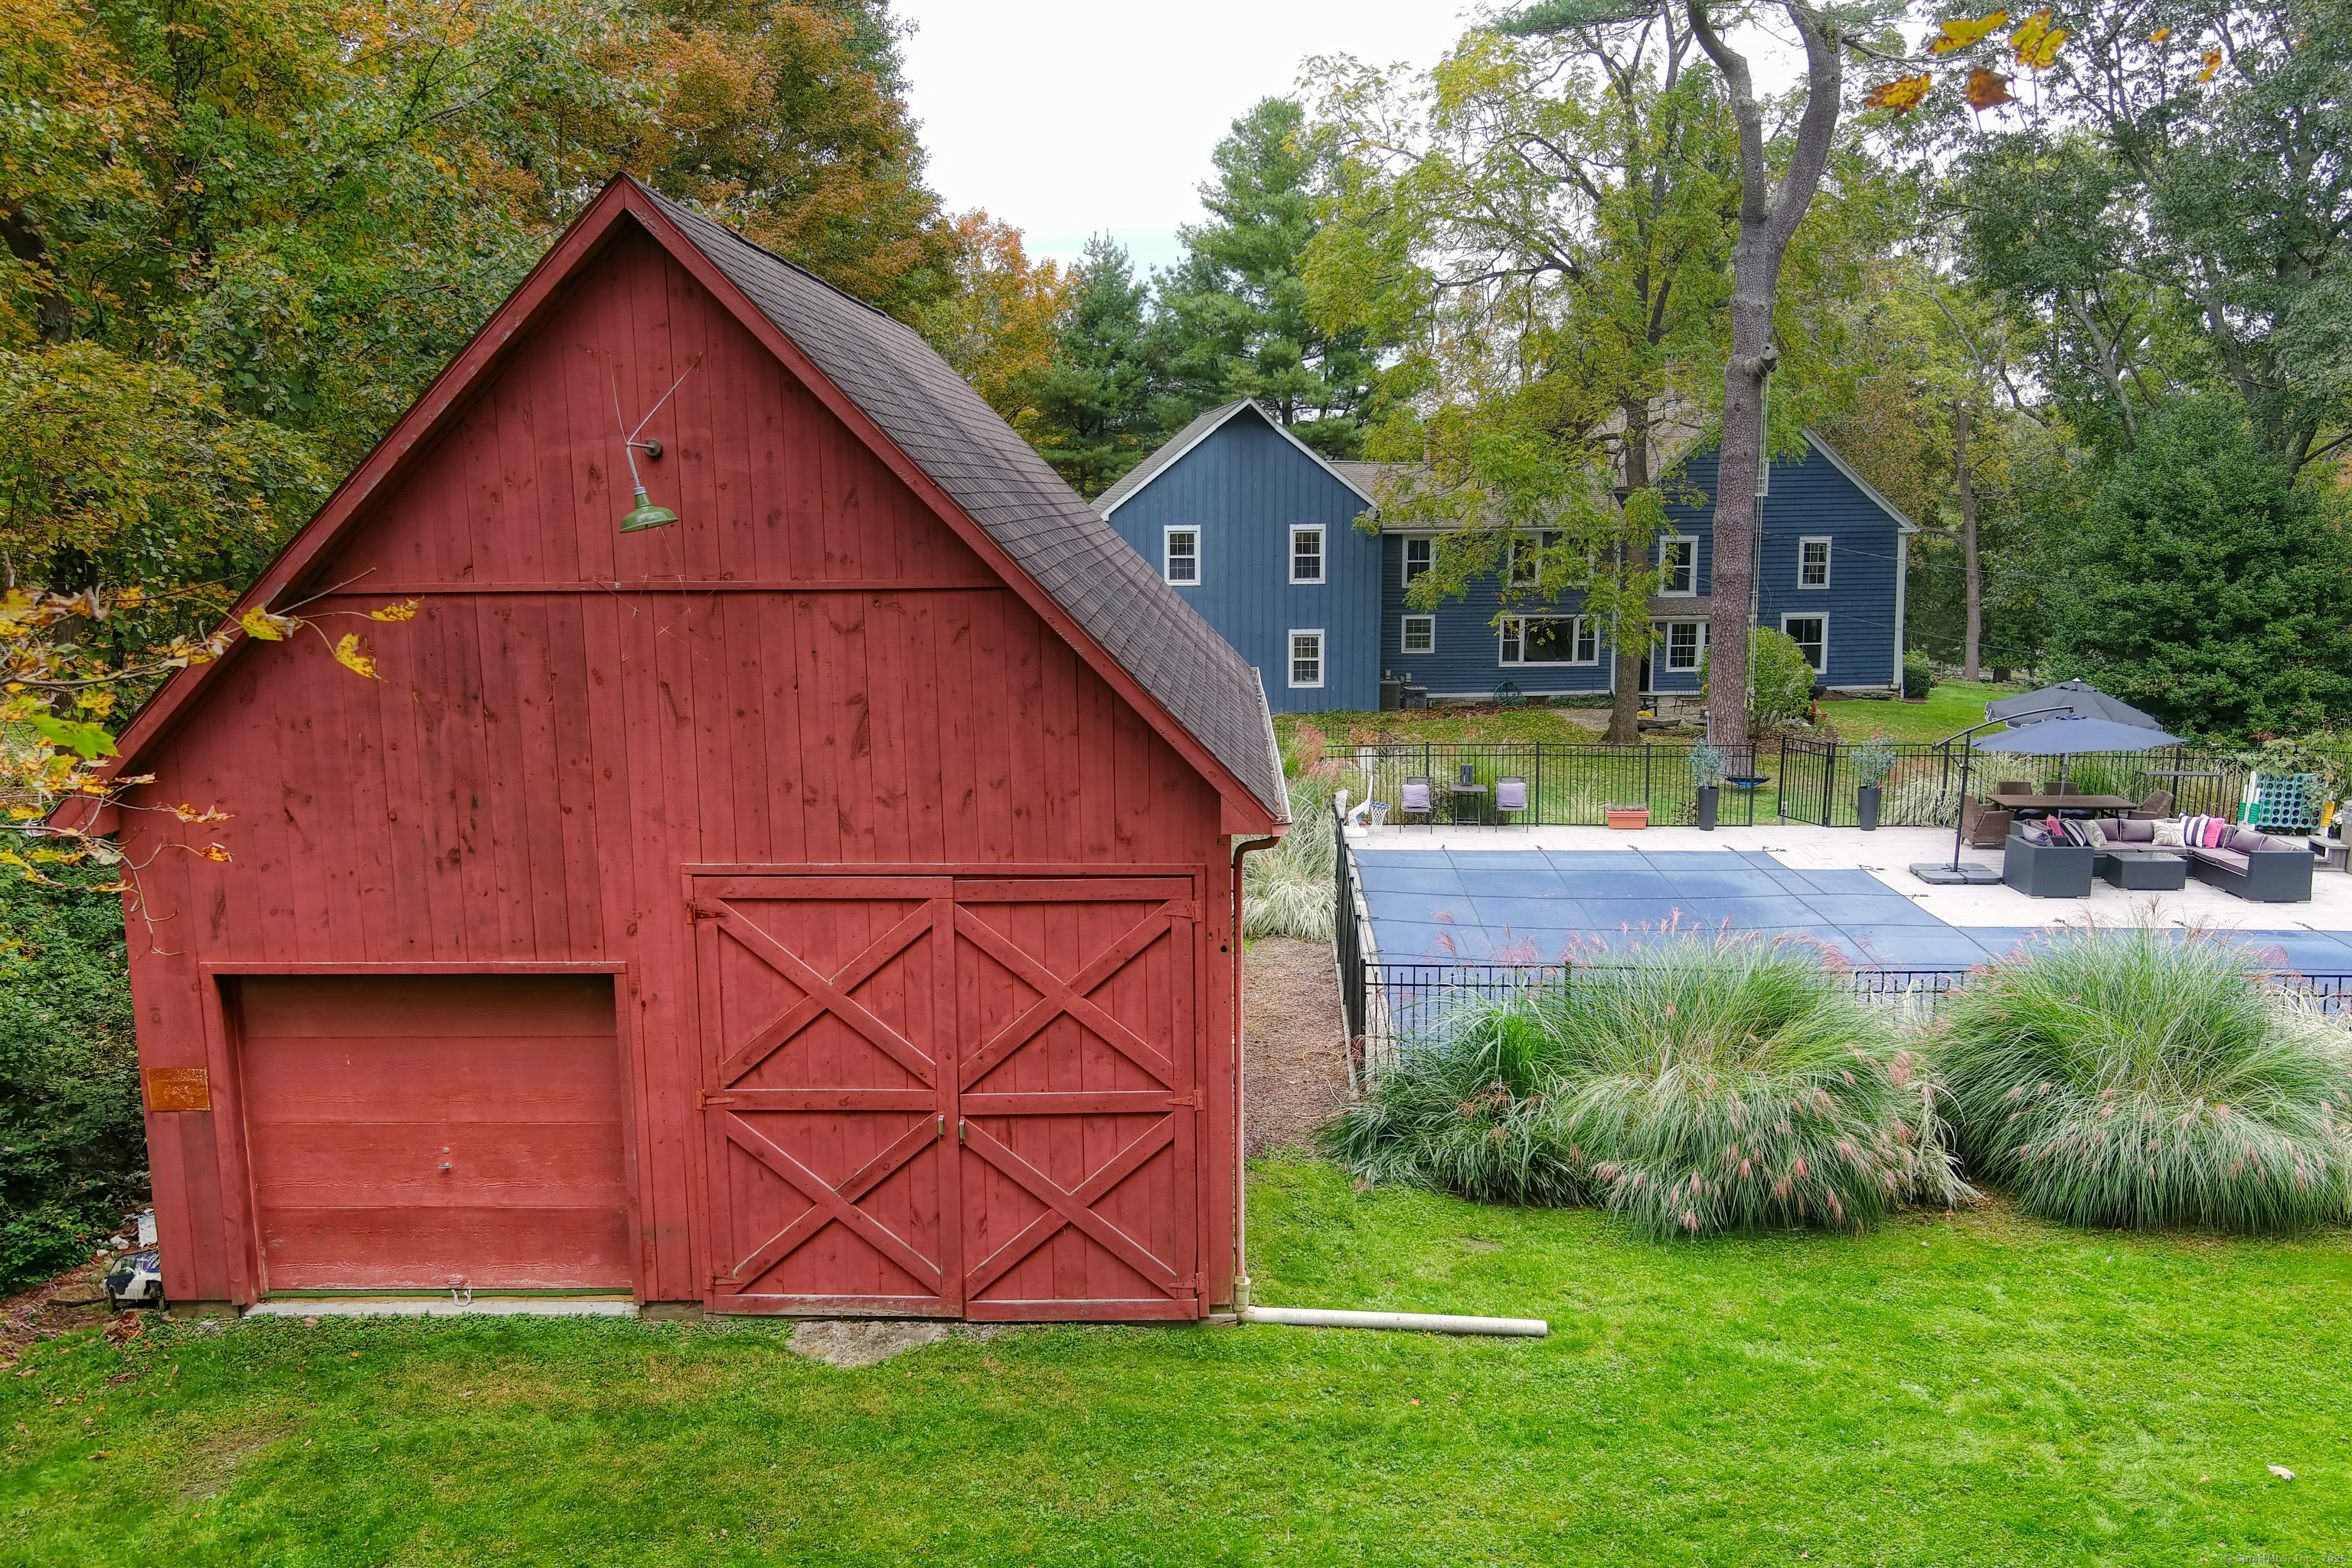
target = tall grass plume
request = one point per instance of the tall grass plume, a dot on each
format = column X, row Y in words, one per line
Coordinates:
column 2137, row 1077
column 1692, row 1084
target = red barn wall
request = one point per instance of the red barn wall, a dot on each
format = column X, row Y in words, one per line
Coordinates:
column 809, row 669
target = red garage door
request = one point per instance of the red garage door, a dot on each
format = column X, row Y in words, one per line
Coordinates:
column 425, row 1132
column 944, row 1096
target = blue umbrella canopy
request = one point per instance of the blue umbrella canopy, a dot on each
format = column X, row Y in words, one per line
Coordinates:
column 2065, row 737
column 2077, row 699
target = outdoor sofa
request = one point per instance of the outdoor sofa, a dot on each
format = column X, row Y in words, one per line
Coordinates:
column 2248, row 862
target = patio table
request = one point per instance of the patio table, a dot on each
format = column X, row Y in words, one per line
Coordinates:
column 2144, row 870
column 2030, row 804
column 1468, row 802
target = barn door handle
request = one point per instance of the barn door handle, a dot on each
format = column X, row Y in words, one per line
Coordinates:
column 958, row 1132
column 943, row 1126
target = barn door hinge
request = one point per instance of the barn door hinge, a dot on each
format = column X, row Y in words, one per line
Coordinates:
column 724, row 1282
column 1181, row 909
column 1188, row 1285
column 1188, row 1101
column 707, row 1101
column 698, row 911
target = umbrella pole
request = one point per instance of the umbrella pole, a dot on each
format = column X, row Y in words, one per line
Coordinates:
column 1955, row 874
column 1960, row 808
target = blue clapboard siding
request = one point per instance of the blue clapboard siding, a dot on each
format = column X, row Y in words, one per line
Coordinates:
column 1244, row 487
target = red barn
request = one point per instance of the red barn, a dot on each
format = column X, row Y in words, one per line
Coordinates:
column 824, row 903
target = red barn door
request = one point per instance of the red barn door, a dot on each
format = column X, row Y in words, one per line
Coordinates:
column 425, row 1132
column 935, row 1097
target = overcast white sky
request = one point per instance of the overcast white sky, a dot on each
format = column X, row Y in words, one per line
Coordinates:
column 1067, row 118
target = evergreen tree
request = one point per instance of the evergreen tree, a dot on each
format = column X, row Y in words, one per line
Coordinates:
column 2209, row 590
column 1103, row 405
column 1236, row 305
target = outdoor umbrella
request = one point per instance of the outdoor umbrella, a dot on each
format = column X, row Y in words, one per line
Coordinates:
column 2077, row 699
column 2053, row 735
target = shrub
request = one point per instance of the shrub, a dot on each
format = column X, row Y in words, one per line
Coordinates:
column 2130, row 1076
column 1918, row 676
column 73, row 1149
column 1779, row 681
column 1693, row 1085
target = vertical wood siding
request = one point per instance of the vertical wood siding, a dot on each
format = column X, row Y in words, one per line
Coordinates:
column 810, row 669
column 1809, row 499
column 1244, row 487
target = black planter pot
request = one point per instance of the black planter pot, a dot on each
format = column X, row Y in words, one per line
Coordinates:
column 1865, row 807
column 1709, row 796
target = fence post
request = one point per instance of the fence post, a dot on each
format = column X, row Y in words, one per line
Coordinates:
column 1646, row 766
column 1829, row 787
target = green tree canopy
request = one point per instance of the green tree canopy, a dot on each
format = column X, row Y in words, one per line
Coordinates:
column 2206, row 588
column 1237, row 305
column 1104, row 402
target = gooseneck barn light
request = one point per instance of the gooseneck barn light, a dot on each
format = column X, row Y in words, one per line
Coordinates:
column 644, row 514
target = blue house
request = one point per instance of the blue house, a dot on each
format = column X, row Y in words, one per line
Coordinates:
column 1261, row 535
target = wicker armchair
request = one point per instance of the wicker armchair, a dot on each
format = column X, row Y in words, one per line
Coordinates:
column 1985, row 825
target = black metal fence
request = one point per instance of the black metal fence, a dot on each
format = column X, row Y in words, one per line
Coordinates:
column 1399, row 1007
column 1568, row 786
column 1820, row 784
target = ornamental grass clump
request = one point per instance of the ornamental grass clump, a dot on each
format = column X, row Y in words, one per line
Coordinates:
column 2130, row 1076
column 1693, row 1085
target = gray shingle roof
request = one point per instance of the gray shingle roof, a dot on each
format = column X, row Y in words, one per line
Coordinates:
column 940, row 422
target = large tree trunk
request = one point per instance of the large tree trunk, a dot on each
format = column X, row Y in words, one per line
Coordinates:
column 1632, row 638
column 1768, row 216
column 1973, row 634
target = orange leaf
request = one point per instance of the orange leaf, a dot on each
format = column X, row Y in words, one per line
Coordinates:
column 403, row 611
column 1960, row 35
column 2036, row 41
column 2212, row 64
column 2160, row 34
column 1901, row 95
column 215, row 852
column 1988, row 89
column 349, row 655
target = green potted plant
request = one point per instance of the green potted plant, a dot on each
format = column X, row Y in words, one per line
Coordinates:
column 1872, row 760
column 1707, row 776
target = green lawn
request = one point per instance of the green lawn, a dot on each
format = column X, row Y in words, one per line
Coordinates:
column 1975, row 1390
column 1950, row 708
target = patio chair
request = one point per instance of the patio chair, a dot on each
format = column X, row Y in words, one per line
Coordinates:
column 2012, row 786
column 1419, row 798
column 1510, row 797
column 1985, row 825
column 2155, row 807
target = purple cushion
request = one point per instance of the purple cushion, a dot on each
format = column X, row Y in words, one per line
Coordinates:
column 2229, row 858
column 2246, row 840
column 2131, row 830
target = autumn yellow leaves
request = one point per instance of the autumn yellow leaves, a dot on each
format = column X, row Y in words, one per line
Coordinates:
column 2033, row 45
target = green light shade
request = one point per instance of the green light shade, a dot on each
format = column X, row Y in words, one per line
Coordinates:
column 647, row 515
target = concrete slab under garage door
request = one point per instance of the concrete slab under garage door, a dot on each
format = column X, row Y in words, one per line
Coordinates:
column 421, row 1131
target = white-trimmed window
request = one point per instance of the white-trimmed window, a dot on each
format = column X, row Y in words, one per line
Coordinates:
column 1306, row 658
column 1306, row 556
column 1685, row 640
column 1526, row 557
column 1551, row 639
column 1812, row 563
column 1180, row 558
column 1419, row 636
column 1420, row 557
column 1811, row 634
column 1679, row 565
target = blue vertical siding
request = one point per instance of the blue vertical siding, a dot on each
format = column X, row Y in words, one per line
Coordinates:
column 1468, row 659
column 1244, row 487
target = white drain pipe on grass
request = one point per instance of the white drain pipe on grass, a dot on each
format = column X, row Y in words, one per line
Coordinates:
column 1405, row 1322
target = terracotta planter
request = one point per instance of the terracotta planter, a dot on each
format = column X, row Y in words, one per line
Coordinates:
column 1628, row 818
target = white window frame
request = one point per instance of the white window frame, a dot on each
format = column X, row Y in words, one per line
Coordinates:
column 1822, row 669
column 1322, row 660
column 1828, row 552
column 1665, row 590
column 1666, row 645
column 1535, row 547
column 1405, row 634
column 1512, row 635
column 1168, row 555
column 1322, row 560
column 1427, row 543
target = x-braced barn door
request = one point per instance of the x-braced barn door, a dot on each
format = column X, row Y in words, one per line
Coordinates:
column 1077, row 1068
column 829, row 1097
column 976, row 1096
